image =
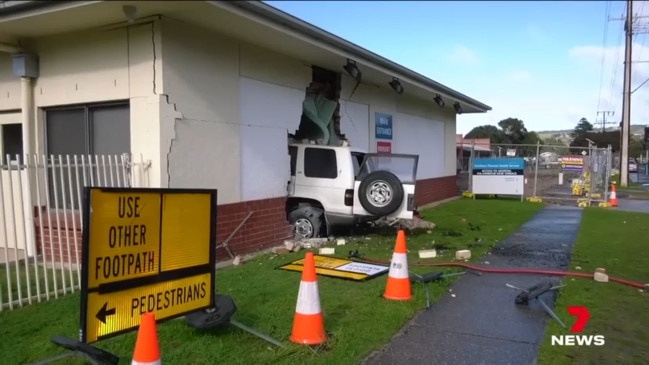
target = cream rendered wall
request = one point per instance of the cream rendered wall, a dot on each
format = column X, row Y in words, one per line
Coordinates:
column 377, row 99
column 98, row 66
column 441, row 128
column 201, row 81
column 427, row 135
column 9, row 85
column 272, row 90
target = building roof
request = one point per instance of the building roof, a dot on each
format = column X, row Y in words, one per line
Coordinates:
column 358, row 52
column 20, row 11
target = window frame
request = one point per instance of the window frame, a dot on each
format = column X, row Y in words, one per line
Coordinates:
column 86, row 107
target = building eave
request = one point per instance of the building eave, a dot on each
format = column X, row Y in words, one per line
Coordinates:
column 357, row 52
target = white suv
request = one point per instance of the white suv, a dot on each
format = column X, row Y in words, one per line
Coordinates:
column 340, row 186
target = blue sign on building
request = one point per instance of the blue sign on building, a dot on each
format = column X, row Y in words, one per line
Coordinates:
column 383, row 126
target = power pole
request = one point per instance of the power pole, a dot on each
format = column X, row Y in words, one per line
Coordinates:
column 626, row 102
column 604, row 113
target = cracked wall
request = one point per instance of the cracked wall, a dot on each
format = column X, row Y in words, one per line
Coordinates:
column 97, row 66
column 224, row 138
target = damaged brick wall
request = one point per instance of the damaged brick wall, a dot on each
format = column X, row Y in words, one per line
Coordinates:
column 267, row 227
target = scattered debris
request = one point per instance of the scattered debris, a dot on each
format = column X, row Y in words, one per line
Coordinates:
column 340, row 242
column 280, row 250
column 600, row 275
column 577, row 267
column 414, row 223
column 462, row 254
column 237, row 260
column 453, row 295
column 427, row 254
column 327, row 251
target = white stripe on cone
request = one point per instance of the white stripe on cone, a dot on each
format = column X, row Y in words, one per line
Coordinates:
column 308, row 298
column 399, row 266
column 157, row 362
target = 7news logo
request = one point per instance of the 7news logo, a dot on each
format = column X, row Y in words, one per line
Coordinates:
column 583, row 315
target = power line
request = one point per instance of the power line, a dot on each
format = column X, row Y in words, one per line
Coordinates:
column 601, row 74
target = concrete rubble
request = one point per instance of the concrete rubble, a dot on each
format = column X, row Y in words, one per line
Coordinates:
column 413, row 223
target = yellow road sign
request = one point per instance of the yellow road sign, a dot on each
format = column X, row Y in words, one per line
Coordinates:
column 137, row 241
column 339, row 268
column 118, row 312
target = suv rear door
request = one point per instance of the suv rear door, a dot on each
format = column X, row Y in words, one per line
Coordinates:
column 385, row 186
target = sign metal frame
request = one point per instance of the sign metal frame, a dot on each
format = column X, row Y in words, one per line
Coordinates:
column 167, row 277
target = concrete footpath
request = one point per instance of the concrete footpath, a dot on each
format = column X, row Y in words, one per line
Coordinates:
column 481, row 324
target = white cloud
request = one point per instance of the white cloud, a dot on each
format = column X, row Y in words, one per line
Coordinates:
column 463, row 54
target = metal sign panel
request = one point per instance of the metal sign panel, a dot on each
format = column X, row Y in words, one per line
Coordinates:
column 145, row 250
column 340, row 268
column 500, row 176
column 383, row 126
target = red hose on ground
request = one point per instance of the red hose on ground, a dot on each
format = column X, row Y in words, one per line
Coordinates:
column 630, row 283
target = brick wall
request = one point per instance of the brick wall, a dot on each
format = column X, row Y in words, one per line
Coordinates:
column 431, row 190
column 266, row 227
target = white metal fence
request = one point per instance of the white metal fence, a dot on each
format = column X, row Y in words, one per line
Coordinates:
column 40, row 219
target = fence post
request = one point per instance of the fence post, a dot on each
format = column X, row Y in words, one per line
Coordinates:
column 536, row 166
column 470, row 184
column 607, row 179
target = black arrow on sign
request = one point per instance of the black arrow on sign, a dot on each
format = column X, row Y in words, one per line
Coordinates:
column 105, row 312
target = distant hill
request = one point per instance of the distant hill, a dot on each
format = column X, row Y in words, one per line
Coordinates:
column 636, row 129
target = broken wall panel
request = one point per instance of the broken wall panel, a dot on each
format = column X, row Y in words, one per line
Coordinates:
column 268, row 113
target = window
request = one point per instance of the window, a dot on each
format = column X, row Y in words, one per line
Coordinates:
column 320, row 163
column 12, row 142
column 292, row 151
column 91, row 131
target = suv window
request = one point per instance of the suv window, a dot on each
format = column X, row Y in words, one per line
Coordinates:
column 320, row 163
column 292, row 151
column 357, row 160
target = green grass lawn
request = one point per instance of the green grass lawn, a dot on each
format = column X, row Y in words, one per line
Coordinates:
column 357, row 317
column 616, row 241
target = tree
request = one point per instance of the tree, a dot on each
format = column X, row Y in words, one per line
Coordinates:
column 494, row 134
column 515, row 130
column 582, row 128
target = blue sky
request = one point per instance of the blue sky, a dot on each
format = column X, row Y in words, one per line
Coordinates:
column 543, row 62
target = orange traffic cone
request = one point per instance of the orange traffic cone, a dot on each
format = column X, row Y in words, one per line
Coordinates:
column 147, row 351
column 613, row 198
column 308, row 323
column 398, row 287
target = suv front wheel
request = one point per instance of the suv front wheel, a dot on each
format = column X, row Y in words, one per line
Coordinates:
column 307, row 221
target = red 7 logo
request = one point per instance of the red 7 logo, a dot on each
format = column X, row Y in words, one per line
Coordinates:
column 582, row 315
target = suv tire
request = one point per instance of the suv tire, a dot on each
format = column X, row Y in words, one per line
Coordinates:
column 380, row 193
column 306, row 221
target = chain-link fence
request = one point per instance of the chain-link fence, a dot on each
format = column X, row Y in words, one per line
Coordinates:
column 553, row 173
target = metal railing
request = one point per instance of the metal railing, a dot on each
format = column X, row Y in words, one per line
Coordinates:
column 40, row 219
column 552, row 172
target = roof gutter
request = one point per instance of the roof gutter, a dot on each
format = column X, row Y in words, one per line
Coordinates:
column 10, row 9
column 272, row 14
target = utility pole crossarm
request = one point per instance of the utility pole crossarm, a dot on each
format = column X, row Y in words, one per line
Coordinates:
column 604, row 114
